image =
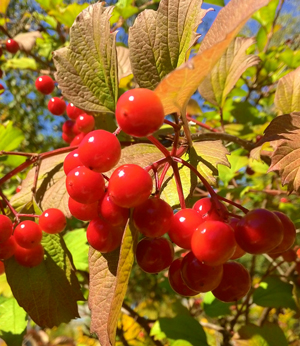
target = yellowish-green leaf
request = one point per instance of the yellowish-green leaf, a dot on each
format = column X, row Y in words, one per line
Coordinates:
column 266, row 15
column 22, row 64
column 215, row 2
column 223, row 77
column 3, row 6
column 49, row 4
column 177, row 88
column 68, row 14
column 87, row 68
column 236, row 163
column 287, row 96
column 159, row 40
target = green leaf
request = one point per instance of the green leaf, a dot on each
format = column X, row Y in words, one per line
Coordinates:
column 10, row 137
column 22, row 64
column 266, row 15
column 176, row 89
column 216, row 2
column 213, row 307
column 77, row 244
column 13, row 321
column 180, row 327
column 268, row 335
column 236, row 162
column 87, row 68
column 159, row 40
column 287, row 98
column 261, row 38
column 223, row 77
column 274, row 293
column 68, row 14
column 49, row 4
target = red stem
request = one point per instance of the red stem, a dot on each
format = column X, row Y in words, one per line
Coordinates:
column 175, row 126
column 244, row 210
column 6, row 201
column 178, row 185
column 199, row 123
column 157, row 143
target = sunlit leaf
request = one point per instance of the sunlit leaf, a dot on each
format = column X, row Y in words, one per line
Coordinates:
column 87, row 68
column 68, row 14
column 215, row 2
column 159, row 40
column 76, row 243
column 3, row 6
column 221, row 80
column 21, row 63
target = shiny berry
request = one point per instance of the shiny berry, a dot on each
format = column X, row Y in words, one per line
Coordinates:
column 72, row 161
column 102, row 236
column 213, row 243
column 100, row 150
column 83, row 212
column 85, row 123
column 152, row 218
column 45, row 84
column 182, row 227
column 289, row 255
column 239, row 252
column 56, row 106
column 139, row 112
column 28, row 234
column 12, row 46
column 29, row 257
column 6, row 228
column 198, row 276
column 209, row 211
column 154, row 254
column 112, row 213
column 259, row 231
column 77, row 139
column 7, row 248
column 67, row 138
column 176, row 281
column 73, row 112
column 67, row 127
column 2, row 268
column 129, row 186
column 84, row 185
column 52, row 221
column 235, row 283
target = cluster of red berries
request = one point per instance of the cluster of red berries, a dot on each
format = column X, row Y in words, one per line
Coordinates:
column 11, row 46
column 24, row 240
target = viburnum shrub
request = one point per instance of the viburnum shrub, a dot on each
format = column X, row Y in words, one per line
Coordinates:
column 160, row 189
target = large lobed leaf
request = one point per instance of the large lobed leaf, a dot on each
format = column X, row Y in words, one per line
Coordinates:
column 159, row 40
column 87, row 68
column 177, row 88
column 223, row 77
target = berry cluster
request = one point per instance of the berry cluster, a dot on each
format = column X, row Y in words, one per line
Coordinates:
column 11, row 46
column 23, row 241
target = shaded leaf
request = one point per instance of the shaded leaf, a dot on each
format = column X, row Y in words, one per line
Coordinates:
column 159, row 40
column 124, row 66
column 27, row 40
column 268, row 335
column 180, row 327
column 177, row 88
column 213, row 307
column 68, row 14
column 87, row 68
column 274, row 293
column 223, row 77
column 22, row 63
column 76, row 243
column 287, row 98
column 50, row 291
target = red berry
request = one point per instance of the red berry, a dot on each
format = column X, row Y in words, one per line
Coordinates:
column 129, row 186
column 100, row 150
column 72, row 161
column 235, row 283
column 29, row 257
column 85, row 123
column 289, row 233
column 154, row 254
column 83, row 212
column 19, row 188
column 284, row 200
column 213, row 243
column 152, row 218
column 28, row 234
column 2, row 268
column 239, row 252
column 176, row 281
column 77, row 139
column 139, row 112
column 259, row 231
column 68, row 139
column 198, row 276
column 1, row 89
column 6, row 228
column 73, row 112
column 289, row 255
column 67, row 128
column 84, row 185
column 112, row 213
column 76, row 130
column 182, row 227
column 12, row 46
column 45, row 84
column 52, row 221
column 208, row 211
column 57, row 106
column 7, row 248
column 102, row 236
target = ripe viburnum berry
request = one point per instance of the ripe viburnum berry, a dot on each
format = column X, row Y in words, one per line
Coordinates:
column 2, row 268
column 12, row 46
column 100, row 150
column 56, row 106
column 45, row 84
column 139, row 112
column 28, row 234
column 85, row 123
column 7, row 248
column 52, row 221
column 206, row 208
column 72, row 161
column 83, row 212
column 129, row 186
column 112, row 213
column 73, row 112
column 6, row 228
column 29, row 257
